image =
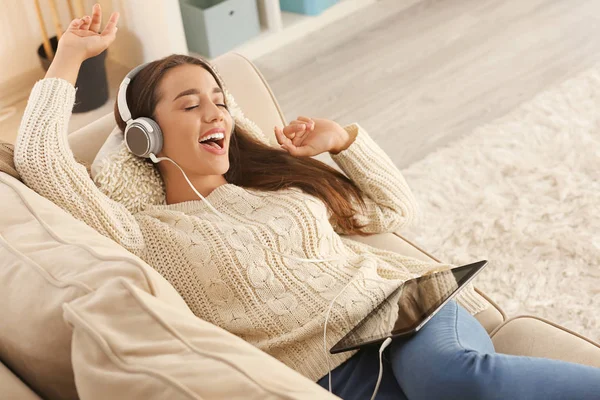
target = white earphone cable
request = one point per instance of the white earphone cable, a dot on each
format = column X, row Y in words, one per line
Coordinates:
column 385, row 343
column 327, row 356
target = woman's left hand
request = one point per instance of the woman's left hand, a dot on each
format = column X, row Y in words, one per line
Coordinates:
column 307, row 137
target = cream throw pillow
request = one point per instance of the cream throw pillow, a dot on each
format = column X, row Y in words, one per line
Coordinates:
column 128, row 344
column 48, row 258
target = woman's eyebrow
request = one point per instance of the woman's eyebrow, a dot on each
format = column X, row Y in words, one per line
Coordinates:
column 196, row 91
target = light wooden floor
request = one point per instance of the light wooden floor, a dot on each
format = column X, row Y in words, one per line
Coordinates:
column 420, row 74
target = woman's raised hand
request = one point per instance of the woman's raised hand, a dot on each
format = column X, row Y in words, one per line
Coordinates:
column 83, row 38
column 307, row 137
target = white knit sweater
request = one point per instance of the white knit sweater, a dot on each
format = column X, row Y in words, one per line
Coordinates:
column 272, row 302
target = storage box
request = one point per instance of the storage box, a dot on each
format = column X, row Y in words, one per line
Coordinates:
column 309, row 7
column 214, row 27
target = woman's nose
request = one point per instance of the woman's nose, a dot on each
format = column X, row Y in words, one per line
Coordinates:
column 213, row 113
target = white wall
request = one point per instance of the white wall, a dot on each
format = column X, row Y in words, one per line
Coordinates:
column 20, row 36
column 148, row 29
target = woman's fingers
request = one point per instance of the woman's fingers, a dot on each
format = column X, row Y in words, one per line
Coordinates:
column 111, row 26
column 298, row 136
column 310, row 125
column 291, row 130
column 75, row 24
column 302, row 151
column 280, row 136
column 293, row 147
column 94, row 22
column 294, row 133
column 277, row 135
column 299, row 139
column 87, row 20
column 309, row 122
column 96, row 18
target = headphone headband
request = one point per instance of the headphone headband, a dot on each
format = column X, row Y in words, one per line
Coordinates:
column 122, row 94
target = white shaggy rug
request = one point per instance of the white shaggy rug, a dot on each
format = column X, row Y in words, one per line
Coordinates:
column 524, row 193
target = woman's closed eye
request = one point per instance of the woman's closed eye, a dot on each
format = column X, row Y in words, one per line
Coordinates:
column 192, row 107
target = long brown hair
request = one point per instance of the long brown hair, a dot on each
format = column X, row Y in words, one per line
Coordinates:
column 254, row 164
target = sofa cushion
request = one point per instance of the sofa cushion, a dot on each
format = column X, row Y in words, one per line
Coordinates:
column 147, row 349
column 536, row 337
column 48, row 258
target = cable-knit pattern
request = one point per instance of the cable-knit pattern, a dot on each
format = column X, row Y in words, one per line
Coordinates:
column 390, row 204
column 274, row 303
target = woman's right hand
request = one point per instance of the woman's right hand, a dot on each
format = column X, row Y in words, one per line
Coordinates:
column 83, row 38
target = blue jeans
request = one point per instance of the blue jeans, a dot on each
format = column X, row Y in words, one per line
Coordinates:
column 452, row 357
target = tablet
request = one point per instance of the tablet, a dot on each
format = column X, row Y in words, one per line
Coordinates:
column 409, row 307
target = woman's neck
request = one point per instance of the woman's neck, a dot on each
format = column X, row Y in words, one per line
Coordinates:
column 178, row 190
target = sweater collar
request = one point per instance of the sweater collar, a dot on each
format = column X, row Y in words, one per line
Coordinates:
column 219, row 195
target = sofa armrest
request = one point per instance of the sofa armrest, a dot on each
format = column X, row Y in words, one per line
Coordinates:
column 527, row 335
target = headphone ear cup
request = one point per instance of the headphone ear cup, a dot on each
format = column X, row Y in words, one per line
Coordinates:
column 143, row 136
column 156, row 138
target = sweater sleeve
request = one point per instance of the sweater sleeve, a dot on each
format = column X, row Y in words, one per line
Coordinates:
column 47, row 165
column 390, row 204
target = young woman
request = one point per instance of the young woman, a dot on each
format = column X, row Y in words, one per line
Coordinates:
column 280, row 199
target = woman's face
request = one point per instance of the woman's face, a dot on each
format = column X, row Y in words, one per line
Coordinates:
column 192, row 107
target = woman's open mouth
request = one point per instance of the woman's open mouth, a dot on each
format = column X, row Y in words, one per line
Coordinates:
column 214, row 143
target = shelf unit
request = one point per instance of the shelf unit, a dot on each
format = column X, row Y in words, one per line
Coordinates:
column 280, row 28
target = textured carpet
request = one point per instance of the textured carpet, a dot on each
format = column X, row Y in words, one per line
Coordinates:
column 524, row 193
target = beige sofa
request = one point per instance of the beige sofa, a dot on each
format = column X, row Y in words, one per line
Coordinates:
column 522, row 335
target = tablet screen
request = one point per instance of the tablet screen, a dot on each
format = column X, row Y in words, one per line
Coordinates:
column 408, row 306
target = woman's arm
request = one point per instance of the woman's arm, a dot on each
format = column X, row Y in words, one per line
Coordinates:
column 390, row 204
column 64, row 67
column 42, row 154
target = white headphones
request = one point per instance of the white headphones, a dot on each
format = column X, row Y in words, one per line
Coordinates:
column 143, row 135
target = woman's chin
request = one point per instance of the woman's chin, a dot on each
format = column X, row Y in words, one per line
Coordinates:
column 218, row 168
column 211, row 164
